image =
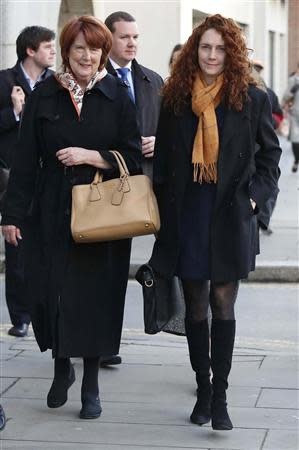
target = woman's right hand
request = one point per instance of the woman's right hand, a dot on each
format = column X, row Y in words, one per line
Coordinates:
column 11, row 234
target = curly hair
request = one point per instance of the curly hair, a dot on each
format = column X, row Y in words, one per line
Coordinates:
column 237, row 70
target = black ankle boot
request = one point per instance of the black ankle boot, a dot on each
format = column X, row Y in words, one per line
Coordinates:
column 91, row 405
column 198, row 342
column 64, row 377
column 222, row 344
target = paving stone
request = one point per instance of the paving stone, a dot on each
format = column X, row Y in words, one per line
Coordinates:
column 5, row 383
column 152, row 435
column 281, row 440
column 279, row 398
column 16, row 445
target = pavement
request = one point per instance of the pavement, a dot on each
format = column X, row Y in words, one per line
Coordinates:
column 147, row 399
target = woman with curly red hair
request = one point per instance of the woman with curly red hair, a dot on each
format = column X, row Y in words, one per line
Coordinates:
column 211, row 178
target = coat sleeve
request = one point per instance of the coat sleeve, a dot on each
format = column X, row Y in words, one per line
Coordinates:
column 264, row 181
column 128, row 138
column 22, row 180
column 7, row 117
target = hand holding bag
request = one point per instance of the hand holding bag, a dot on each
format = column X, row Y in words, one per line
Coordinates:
column 120, row 208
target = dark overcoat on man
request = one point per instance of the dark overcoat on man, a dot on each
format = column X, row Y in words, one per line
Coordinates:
column 243, row 173
column 9, row 129
column 77, row 290
column 147, row 88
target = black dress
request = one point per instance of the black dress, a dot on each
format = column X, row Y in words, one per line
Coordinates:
column 194, row 257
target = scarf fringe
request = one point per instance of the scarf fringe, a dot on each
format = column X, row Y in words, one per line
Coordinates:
column 207, row 173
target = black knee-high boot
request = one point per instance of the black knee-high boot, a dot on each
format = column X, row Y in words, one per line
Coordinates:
column 199, row 342
column 64, row 377
column 222, row 345
column 91, row 405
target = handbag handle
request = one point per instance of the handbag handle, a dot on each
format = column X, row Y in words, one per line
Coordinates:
column 124, row 186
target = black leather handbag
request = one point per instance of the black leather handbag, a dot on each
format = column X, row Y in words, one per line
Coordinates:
column 162, row 300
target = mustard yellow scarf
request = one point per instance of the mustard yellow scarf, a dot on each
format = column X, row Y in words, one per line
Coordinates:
column 205, row 100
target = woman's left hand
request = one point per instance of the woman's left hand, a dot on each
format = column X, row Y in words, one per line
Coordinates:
column 73, row 156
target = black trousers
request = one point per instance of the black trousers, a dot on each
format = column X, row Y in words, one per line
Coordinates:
column 16, row 297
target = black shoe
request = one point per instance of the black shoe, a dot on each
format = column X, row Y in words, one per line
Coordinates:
column 295, row 167
column 2, row 419
column 57, row 395
column 267, row 231
column 111, row 360
column 19, row 330
column 220, row 418
column 91, row 407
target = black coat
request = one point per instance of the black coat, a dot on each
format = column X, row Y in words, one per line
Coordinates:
column 9, row 126
column 242, row 174
column 76, row 291
column 147, row 87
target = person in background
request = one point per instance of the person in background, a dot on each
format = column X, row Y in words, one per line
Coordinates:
column 265, row 213
column 69, row 124
column 36, row 52
column 174, row 55
column 291, row 105
column 143, row 86
column 210, row 183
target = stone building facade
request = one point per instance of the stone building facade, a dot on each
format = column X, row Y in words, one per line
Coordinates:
column 163, row 24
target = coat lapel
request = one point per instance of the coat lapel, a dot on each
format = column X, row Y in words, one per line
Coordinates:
column 20, row 79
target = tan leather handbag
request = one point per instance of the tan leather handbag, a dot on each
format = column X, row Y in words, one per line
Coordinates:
column 115, row 209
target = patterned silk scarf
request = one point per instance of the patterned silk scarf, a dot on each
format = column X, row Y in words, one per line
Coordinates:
column 68, row 81
column 205, row 100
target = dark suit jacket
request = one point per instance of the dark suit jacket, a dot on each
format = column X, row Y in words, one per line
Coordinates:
column 9, row 126
column 147, row 86
column 243, row 173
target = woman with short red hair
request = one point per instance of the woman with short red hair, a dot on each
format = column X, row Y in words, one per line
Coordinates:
column 210, row 180
column 76, row 291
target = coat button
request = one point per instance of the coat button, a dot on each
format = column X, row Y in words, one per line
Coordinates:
column 173, row 173
column 241, row 154
column 236, row 180
column 172, row 199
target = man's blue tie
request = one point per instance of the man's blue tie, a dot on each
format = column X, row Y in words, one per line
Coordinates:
column 123, row 72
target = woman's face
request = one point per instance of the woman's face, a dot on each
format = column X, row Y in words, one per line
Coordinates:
column 83, row 60
column 211, row 55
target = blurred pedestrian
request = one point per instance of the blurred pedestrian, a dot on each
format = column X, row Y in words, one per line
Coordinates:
column 2, row 418
column 69, row 124
column 35, row 47
column 291, row 104
column 265, row 213
column 174, row 55
column 210, row 183
column 144, row 87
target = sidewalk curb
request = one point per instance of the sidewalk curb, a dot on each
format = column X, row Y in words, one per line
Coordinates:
column 282, row 272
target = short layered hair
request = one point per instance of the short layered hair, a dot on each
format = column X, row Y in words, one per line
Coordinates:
column 95, row 33
column 32, row 37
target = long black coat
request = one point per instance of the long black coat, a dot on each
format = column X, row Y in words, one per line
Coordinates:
column 76, row 291
column 243, row 173
column 147, row 87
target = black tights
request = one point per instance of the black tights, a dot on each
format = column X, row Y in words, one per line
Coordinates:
column 220, row 296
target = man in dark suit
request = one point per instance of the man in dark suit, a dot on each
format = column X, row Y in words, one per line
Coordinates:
column 144, row 86
column 35, row 48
